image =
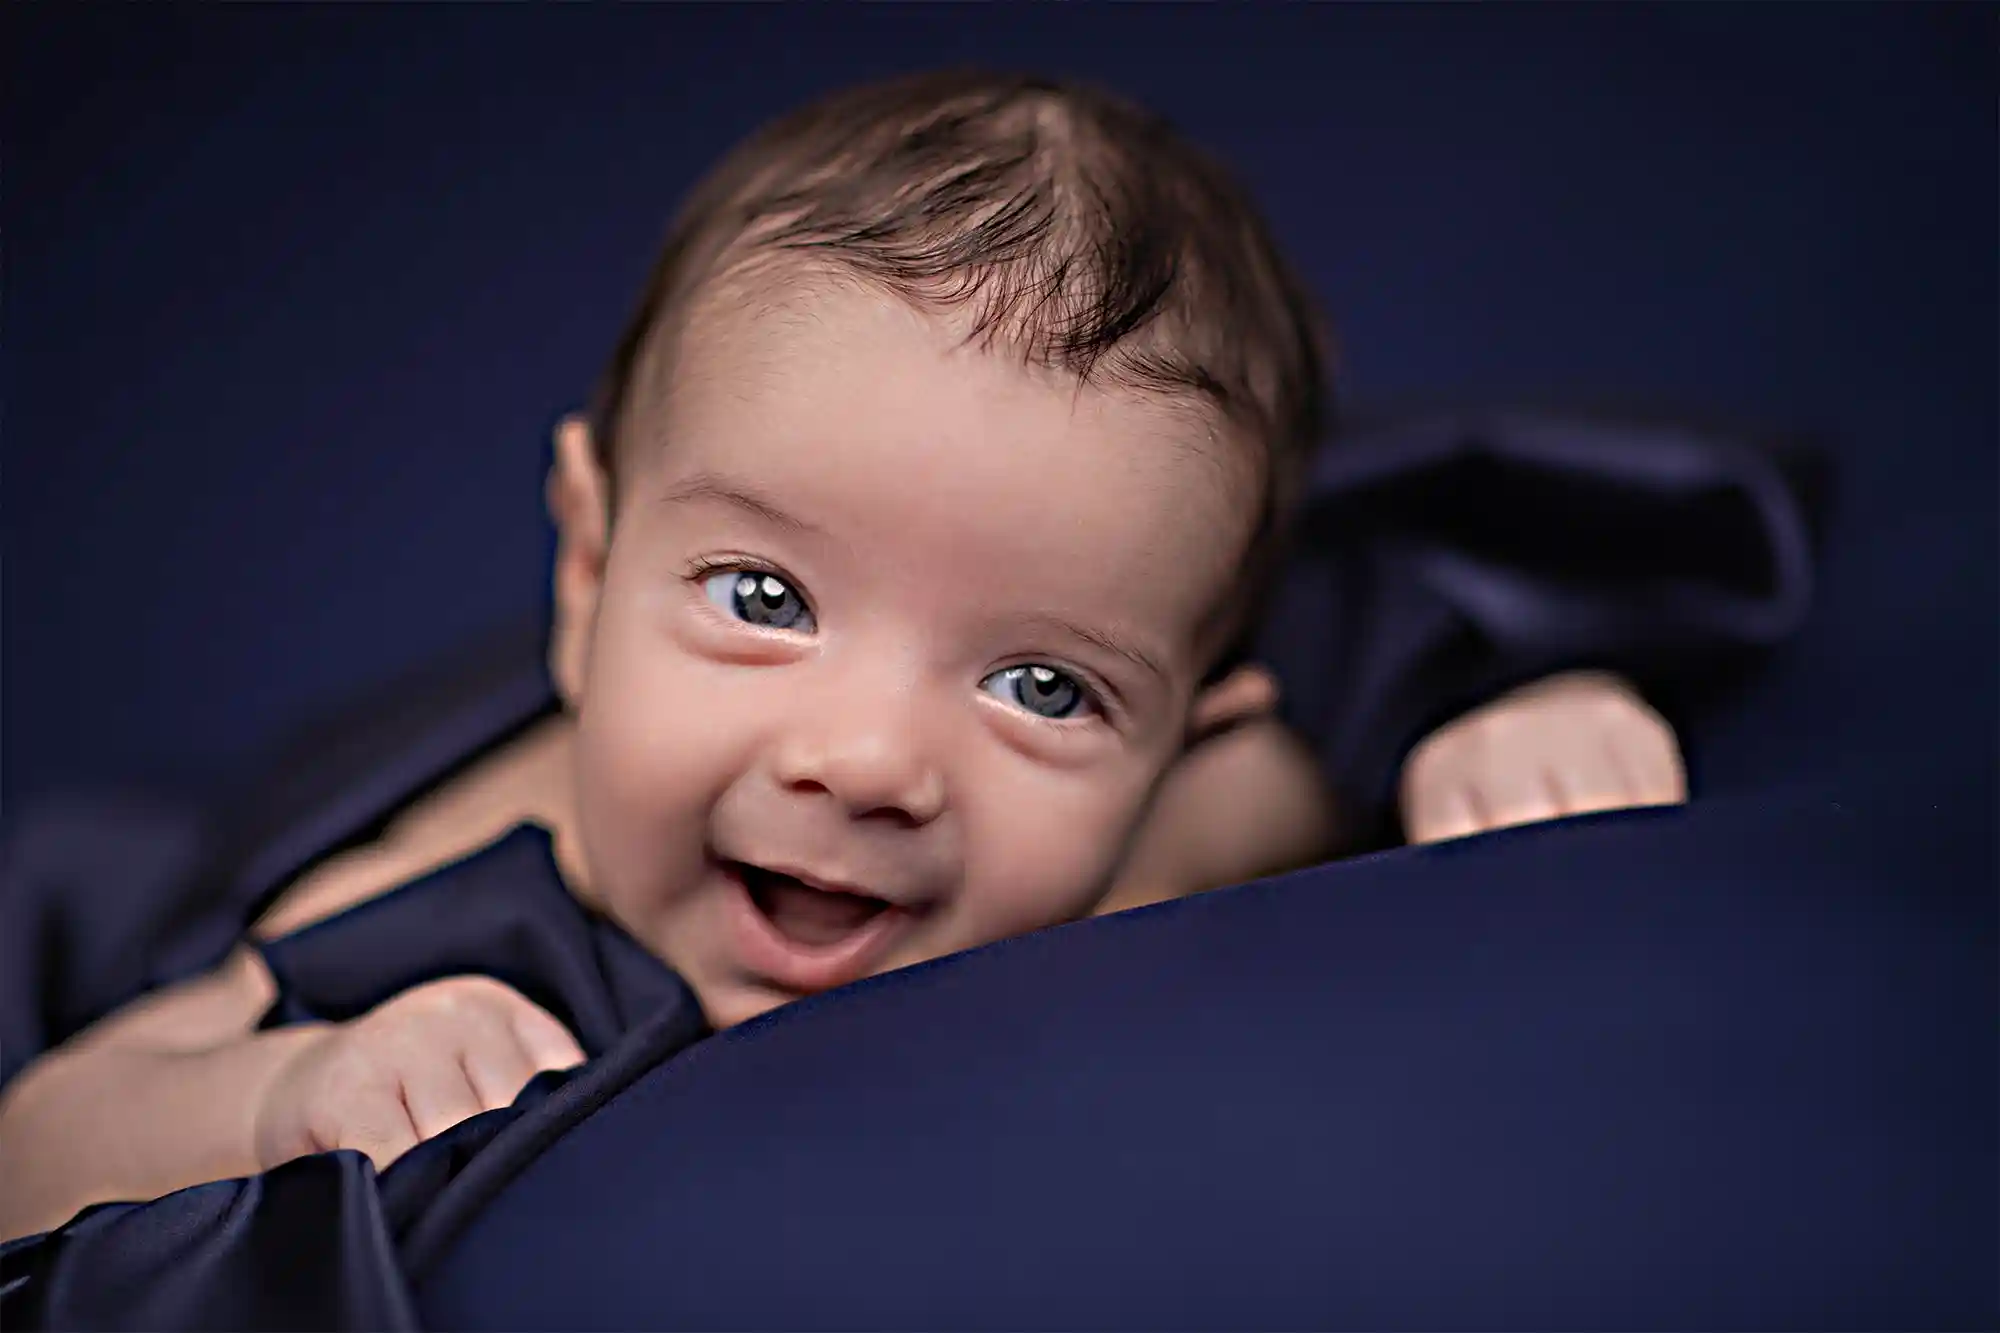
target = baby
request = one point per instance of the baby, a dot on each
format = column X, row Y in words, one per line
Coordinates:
column 903, row 567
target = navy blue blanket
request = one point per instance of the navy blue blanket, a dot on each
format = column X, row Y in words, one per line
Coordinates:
column 1728, row 1067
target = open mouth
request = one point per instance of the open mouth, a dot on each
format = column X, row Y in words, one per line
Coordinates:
column 806, row 915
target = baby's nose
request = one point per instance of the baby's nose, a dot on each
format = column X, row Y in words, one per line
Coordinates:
column 868, row 751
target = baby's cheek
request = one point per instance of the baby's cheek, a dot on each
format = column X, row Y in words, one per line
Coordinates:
column 653, row 734
column 1043, row 861
column 644, row 784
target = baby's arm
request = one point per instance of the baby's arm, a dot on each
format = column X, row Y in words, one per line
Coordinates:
column 178, row 1088
column 158, row 1095
column 1253, row 802
column 1246, row 803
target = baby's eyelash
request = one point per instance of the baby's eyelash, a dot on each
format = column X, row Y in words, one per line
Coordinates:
column 704, row 565
column 708, row 566
column 1100, row 698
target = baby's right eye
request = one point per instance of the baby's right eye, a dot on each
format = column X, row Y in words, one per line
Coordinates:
column 758, row 597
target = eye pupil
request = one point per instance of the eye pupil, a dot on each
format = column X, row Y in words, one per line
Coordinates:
column 760, row 599
column 1046, row 691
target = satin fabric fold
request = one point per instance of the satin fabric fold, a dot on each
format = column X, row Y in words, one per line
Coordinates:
column 1445, row 559
column 502, row 912
column 314, row 1243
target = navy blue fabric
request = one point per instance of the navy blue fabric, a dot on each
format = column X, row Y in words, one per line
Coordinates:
column 317, row 1243
column 1444, row 559
column 306, row 1246
column 1724, row 1068
column 88, row 884
column 503, row 912
column 313, row 1244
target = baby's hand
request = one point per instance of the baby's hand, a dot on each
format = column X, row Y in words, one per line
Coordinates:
column 409, row 1069
column 1566, row 745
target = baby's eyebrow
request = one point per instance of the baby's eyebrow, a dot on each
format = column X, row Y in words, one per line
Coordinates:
column 709, row 486
column 1130, row 652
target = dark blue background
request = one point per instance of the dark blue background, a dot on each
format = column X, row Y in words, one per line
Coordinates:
column 293, row 296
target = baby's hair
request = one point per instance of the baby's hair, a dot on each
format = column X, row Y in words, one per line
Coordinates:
column 1070, row 228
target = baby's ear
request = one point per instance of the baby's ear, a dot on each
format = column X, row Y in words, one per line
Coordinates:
column 578, row 498
column 1245, row 693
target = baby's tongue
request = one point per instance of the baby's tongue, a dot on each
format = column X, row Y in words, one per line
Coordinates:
column 809, row 916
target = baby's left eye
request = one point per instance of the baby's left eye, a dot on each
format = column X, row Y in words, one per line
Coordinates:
column 757, row 598
column 1041, row 690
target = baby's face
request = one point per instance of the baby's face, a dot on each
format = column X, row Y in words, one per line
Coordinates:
column 892, row 643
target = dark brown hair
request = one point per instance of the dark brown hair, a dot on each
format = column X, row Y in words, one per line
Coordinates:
column 1078, row 231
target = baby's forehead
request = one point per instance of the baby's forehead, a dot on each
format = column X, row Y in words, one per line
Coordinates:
column 761, row 331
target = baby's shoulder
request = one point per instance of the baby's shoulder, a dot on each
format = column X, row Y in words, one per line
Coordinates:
column 522, row 782
column 343, row 882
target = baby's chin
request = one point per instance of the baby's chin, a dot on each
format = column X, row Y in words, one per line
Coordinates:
column 731, row 1005
column 737, row 997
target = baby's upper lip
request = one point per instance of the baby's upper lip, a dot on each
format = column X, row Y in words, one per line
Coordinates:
column 824, row 883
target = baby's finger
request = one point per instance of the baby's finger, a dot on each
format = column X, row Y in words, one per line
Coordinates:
column 1586, row 781
column 1506, row 795
column 473, row 1047
column 439, row 1093
column 513, row 1040
column 1437, row 812
column 375, row 1122
column 1652, row 764
column 497, row 1070
column 546, row 1041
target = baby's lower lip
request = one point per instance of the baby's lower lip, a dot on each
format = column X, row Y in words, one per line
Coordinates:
column 792, row 965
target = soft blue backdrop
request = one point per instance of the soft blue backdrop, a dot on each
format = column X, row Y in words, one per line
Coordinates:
column 292, row 295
